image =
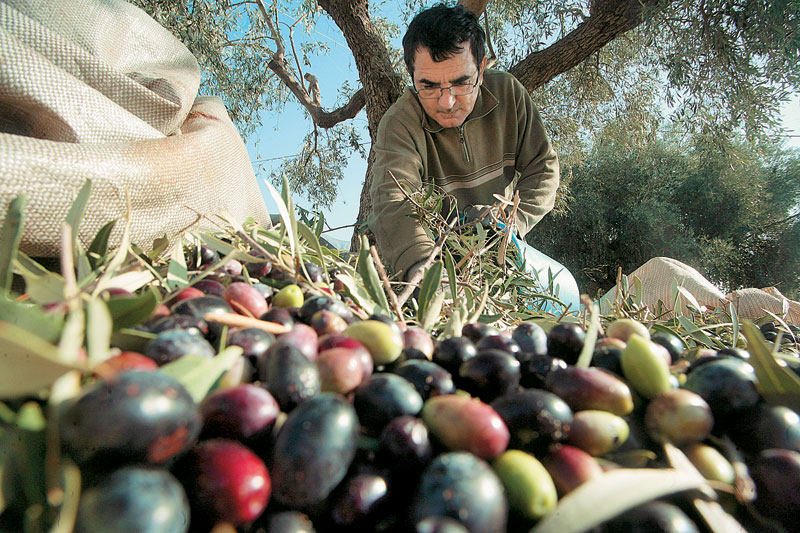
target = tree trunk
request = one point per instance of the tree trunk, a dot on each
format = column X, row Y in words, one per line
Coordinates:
column 382, row 84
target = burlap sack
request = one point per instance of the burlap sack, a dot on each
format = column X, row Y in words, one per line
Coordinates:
column 96, row 89
column 660, row 274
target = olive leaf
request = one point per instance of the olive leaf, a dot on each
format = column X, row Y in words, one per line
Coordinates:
column 717, row 520
column 319, row 225
column 41, row 285
column 735, row 321
column 28, row 363
column 99, row 324
column 33, row 319
column 619, row 490
column 370, row 278
column 177, row 273
column 99, row 246
column 160, row 245
column 10, row 237
column 697, row 334
column 585, row 357
column 450, row 264
column 127, row 311
column 776, row 383
column 199, row 374
column 131, row 339
column 286, row 217
column 431, row 284
column 76, row 211
column 311, row 236
column 357, row 293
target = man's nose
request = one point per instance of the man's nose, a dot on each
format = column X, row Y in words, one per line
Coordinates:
column 446, row 99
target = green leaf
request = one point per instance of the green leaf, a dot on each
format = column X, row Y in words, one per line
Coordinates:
column 433, row 311
column 697, row 334
column 72, row 336
column 31, row 417
column 33, row 319
column 677, row 308
column 638, row 290
column 319, row 225
column 199, row 374
column 127, row 311
column 450, row 264
column 585, row 357
column 10, row 237
column 99, row 246
column 619, row 490
column 689, row 297
column 27, row 363
column 177, row 274
column 357, row 293
column 41, row 285
column 131, row 281
column 455, row 324
column 226, row 248
column 369, row 276
column 86, row 273
column 99, row 326
column 76, row 211
column 312, row 238
column 775, row 382
column 286, row 218
column 735, row 321
column 131, row 339
column 159, row 247
column 122, row 252
column 431, row 284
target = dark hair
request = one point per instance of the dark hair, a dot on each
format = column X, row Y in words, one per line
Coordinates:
column 441, row 29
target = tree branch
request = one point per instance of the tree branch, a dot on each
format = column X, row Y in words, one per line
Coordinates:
column 279, row 65
column 608, row 20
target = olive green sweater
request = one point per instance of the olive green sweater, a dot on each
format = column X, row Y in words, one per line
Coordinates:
column 503, row 135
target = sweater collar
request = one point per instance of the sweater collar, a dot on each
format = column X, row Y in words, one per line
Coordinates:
column 484, row 104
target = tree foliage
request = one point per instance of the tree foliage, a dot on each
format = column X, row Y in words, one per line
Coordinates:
column 726, row 210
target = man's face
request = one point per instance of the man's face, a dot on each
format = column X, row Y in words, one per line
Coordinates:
column 448, row 110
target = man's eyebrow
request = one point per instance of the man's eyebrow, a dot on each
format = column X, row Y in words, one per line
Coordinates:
column 462, row 79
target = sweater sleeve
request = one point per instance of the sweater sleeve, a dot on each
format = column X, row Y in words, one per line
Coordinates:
column 537, row 164
column 401, row 239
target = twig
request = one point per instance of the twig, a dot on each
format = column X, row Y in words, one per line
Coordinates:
column 408, row 196
column 385, row 280
column 240, row 321
column 509, row 222
column 415, row 279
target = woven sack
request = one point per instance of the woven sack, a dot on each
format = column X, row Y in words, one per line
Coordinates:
column 98, row 90
column 660, row 275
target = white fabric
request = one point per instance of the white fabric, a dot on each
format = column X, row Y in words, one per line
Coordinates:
column 660, row 274
column 96, row 89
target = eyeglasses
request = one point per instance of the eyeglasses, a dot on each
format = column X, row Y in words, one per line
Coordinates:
column 459, row 89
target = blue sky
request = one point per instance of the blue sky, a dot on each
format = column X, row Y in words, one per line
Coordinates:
column 282, row 134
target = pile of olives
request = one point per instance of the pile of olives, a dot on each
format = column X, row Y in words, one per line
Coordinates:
column 341, row 423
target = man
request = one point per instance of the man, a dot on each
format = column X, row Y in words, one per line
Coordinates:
column 467, row 129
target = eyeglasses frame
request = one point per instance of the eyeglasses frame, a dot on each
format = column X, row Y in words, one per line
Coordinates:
column 449, row 89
